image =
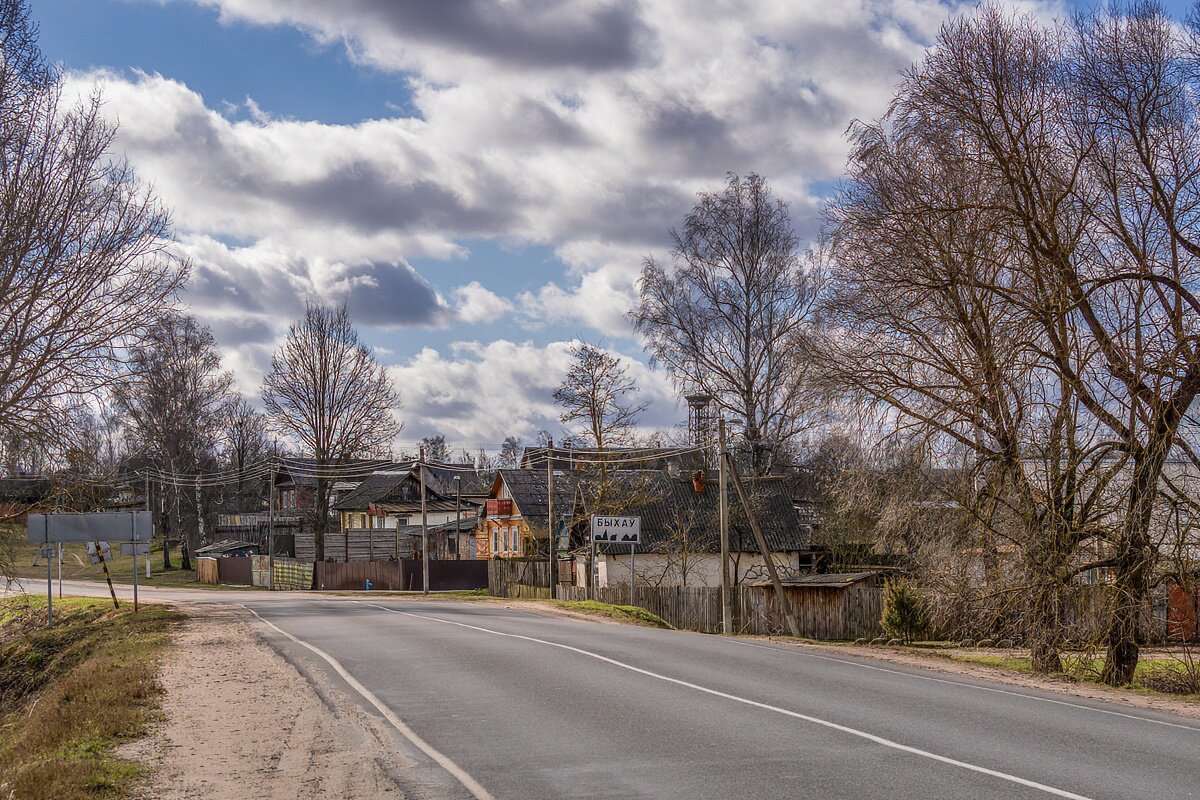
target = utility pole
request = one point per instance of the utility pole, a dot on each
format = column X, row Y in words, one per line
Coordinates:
column 762, row 546
column 457, row 517
column 723, row 510
column 271, row 530
column 133, row 536
column 148, row 559
column 550, row 528
column 424, row 528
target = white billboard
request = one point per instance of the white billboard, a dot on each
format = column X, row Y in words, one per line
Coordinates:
column 109, row 526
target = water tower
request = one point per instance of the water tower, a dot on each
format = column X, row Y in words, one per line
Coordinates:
column 701, row 422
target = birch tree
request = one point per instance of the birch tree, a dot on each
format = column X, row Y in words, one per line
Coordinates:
column 730, row 313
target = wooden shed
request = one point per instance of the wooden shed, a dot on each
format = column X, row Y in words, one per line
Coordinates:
column 836, row 606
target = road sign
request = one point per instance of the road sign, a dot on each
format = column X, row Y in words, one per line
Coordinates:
column 143, row 548
column 105, row 548
column 114, row 526
column 616, row 530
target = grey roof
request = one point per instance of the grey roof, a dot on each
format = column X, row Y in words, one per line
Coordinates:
column 225, row 546
column 440, row 478
column 375, row 488
column 527, row 487
column 25, row 488
column 566, row 458
column 832, row 580
column 670, row 508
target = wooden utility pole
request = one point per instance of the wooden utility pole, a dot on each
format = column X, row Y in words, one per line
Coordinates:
column 550, row 521
column 424, row 528
column 723, row 511
column 762, row 546
column 271, row 530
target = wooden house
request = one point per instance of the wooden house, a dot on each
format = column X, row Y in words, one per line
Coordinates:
column 514, row 520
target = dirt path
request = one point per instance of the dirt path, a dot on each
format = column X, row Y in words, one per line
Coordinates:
column 240, row 721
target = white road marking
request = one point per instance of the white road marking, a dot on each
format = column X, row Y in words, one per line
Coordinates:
column 766, row 707
column 442, row 760
column 806, row 654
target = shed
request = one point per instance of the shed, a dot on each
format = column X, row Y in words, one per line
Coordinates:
column 229, row 548
column 840, row 605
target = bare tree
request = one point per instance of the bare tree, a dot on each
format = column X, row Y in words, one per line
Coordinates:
column 730, row 315
column 596, row 394
column 435, row 449
column 174, row 398
column 84, row 260
column 510, row 452
column 327, row 390
column 247, row 444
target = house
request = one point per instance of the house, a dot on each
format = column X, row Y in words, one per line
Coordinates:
column 296, row 481
column 381, row 517
column 21, row 494
column 514, row 520
column 680, row 533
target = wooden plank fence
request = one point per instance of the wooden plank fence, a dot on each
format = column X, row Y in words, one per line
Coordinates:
column 823, row 613
column 206, row 571
column 503, row 572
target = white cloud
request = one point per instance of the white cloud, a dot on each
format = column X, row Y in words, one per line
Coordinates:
column 479, row 393
column 477, row 303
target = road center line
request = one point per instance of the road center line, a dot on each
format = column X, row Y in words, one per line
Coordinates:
column 801, row 652
column 746, row 701
column 442, row 760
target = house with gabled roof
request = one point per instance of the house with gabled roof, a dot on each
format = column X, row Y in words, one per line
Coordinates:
column 515, row 518
column 680, row 533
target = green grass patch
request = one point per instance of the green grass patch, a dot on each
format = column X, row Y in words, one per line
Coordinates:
column 71, row 693
column 1156, row 676
column 76, row 566
column 634, row 614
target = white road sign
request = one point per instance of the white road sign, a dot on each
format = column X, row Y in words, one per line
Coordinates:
column 616, row 530
column 113, row 526
column 143, row 548
column 105, row 548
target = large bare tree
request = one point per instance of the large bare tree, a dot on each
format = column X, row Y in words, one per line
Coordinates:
column 84, row 259
column 246, row 446
column 729, row 315
column 327, row 391
column 1059, row 247
column 597, row 398
column 174, row 398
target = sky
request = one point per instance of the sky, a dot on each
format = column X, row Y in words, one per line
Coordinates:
column 479, row 181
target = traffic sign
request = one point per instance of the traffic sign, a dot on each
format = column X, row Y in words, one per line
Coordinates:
column 104, row 548
column 112, row 526
column 143, row 548
column 616, row 530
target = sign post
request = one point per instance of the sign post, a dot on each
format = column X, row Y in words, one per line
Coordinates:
column 97, row 528
column 618, row 530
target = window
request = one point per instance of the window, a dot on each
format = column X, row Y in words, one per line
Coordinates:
column 495, row 541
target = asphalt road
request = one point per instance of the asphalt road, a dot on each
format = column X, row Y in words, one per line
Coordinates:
column 506, row 703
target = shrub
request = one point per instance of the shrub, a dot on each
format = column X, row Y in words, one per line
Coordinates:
column 904, row 614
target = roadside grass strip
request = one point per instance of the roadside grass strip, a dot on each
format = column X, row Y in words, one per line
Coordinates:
column 70, row 694
column 634, row 614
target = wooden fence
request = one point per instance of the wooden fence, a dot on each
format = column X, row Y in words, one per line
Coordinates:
column 234, row 571
column 822, row 612
column 367, row 544
column 290, row 573
column 206, row 571
column 505, row 572
column 403, row 575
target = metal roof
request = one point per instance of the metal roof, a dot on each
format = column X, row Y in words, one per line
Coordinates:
column 832, row 580
column 527, row 488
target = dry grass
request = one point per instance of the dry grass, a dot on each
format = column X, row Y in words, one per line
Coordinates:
column 634, row 614
column 73, row 692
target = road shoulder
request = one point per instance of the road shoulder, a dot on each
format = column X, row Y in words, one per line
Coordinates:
column 239, row 721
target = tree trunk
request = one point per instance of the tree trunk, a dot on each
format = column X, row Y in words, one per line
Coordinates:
column 1131, row 585
column 321, row 520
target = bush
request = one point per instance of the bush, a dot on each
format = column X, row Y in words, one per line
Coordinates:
column 904, row 614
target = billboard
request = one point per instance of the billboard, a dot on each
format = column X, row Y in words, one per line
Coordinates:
column 110, row 526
